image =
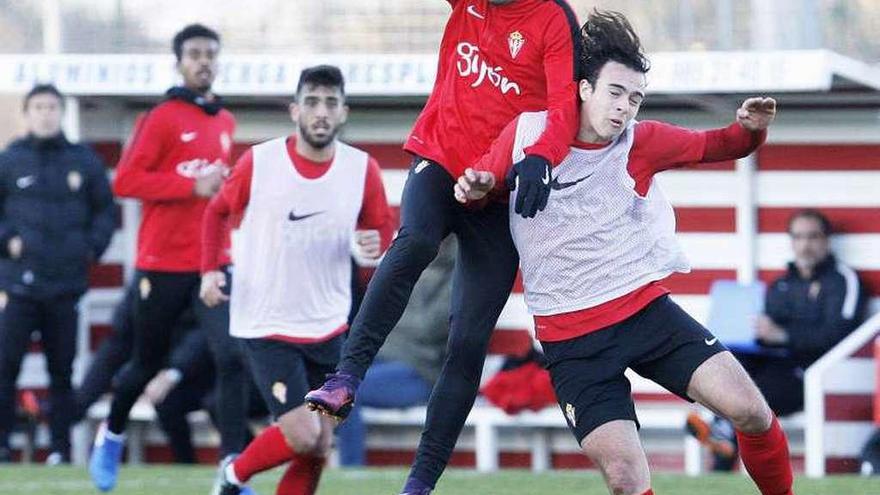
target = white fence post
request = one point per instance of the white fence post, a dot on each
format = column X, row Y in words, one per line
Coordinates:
column 814, row 393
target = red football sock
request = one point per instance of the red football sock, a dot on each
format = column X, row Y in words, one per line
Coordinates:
column 765, row 456
column 267, row 450
column 649, row 492
column 302, row 476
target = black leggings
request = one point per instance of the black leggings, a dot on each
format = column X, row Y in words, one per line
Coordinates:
column 484, row 273
column 161, row 298
column 112, row 354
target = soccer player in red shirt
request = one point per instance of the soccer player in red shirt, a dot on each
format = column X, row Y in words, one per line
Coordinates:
column 592, row 262
column 174, row 163
column 497, row 58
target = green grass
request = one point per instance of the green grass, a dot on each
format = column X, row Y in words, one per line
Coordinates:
column 165, row 480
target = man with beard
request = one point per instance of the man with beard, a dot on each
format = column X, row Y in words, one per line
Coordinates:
column 305, row 201
column 175, row 162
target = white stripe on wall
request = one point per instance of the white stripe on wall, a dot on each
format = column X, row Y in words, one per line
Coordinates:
column 819, row 188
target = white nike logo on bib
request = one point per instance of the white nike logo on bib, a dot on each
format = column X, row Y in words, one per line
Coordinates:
column 546, row 179
column 711, row 341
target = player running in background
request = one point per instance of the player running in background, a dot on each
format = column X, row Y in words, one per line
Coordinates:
column 497, row 58
column 301, row 198
column 592, row 262
column 176, row 160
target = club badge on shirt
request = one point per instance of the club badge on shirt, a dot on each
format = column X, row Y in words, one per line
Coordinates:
column 515, row 42
column 225, row 142
column 279, row 391
column 144, row 287
column 74, row 180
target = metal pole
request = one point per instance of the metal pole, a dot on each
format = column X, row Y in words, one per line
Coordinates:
column 724, row 21
column 71, row 123
column 51, row 26
column 746, row 219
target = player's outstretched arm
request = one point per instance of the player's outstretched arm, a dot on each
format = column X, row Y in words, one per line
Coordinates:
column 473, row 185
column 756, row 114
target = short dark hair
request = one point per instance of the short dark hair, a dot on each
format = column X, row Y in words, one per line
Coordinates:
column 608, row 36
column 816, row 215
column 192, row 31
column 42, row 89
column 321, row 75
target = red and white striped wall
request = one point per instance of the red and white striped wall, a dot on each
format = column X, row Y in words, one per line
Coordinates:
column 841, row 180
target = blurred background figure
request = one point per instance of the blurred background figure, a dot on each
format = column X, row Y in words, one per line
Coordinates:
column 185, row 384
column 56, row 217
column 814, row 305
column 177, row 159
column 410, row 360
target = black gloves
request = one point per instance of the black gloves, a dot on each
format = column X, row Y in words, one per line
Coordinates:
column 530, row 178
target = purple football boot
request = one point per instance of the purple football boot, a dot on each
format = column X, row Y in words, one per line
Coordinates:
column 336, row 397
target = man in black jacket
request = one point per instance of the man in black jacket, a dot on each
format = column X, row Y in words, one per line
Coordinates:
column 814, row 305
column 56, row 217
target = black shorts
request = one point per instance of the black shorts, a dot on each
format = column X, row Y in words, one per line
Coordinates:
column 285, row 372
column 661, row 342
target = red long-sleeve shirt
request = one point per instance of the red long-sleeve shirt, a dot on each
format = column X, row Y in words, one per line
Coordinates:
column 495, row 62
column 228, row 206
column 171, row 146
column 657, row 146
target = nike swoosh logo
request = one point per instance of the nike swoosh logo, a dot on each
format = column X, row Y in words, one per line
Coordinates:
column 546, row 178
column 188, row 136
column 25, row 182
column 472, row 10
column 422, row 165
column 294, row 218
column 556, row 185
column 711, row 341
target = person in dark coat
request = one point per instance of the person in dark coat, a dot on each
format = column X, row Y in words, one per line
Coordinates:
column 56, row 218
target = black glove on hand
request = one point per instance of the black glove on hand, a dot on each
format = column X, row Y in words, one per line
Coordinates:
column 530, row 178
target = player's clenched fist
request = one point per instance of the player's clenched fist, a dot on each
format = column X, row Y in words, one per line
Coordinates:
column 473, row 185
column 211, row 291
column 756, row 114
column 366, row 247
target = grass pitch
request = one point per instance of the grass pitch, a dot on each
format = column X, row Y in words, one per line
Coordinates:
column 173, row 480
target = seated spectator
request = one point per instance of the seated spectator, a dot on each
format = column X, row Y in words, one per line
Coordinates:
column 409, row 363
column 809, row 309
column 57, row 216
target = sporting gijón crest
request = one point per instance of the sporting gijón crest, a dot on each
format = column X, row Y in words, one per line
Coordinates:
column 515, row 42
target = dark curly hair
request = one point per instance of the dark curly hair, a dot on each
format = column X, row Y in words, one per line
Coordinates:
column 321, row 75
column 608, row 36
column 192, row 31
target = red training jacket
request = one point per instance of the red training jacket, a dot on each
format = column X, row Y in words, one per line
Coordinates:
column 495, row 62
column 171, row 145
